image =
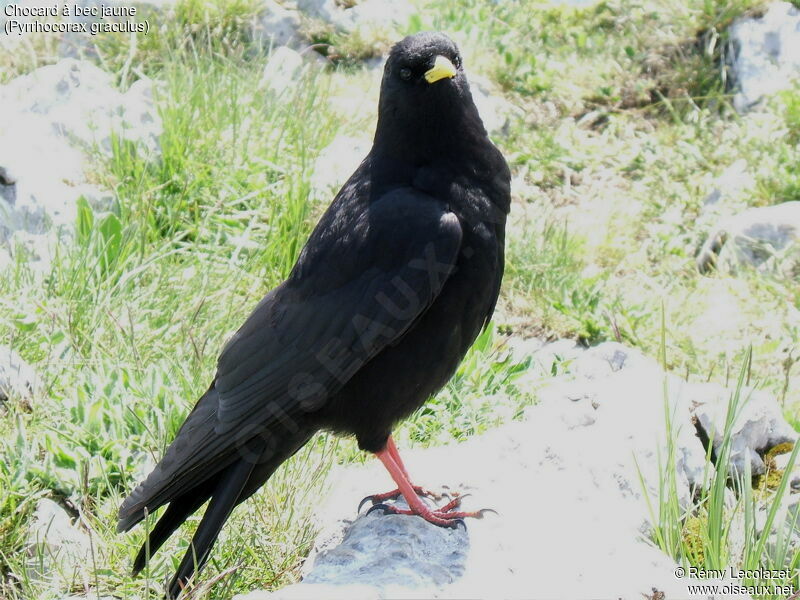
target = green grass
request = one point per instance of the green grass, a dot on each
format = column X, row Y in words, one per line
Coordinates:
column 750, row 533
column 624, row 124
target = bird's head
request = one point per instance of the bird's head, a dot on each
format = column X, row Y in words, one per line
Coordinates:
column 418, row 62
column 425, row 98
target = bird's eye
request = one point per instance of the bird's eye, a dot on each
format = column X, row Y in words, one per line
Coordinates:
column 457, row 62
column 405, row 73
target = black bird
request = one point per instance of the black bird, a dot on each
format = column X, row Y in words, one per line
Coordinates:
column 395, row 283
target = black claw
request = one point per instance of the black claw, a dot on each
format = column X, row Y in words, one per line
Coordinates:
column 457, row 522
column 482, row 511
column 364, row 501
column 380, row 506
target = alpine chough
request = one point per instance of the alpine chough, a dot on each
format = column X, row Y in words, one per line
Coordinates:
column 394, row 284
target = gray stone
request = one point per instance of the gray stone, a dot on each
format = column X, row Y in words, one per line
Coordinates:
column 734, row 182
column 607, row 358
column 363, row 16
column 16, row 376
column 781, row 462
column 766, row 56
column 496, row 112
column 758, row 426
column 81, row 45
column 282, row 70
column 35, row 249
column 36, row 198
column 276, row 26
column 586, row 459
column 784, row 535
column 316, row 591
column 6, row 259
column 764, row 238
column 554, row 354
column 335, row 163
column 57, row 551
column 52, row 118
column 521, row 348
column 78, row 101
column 425, row 555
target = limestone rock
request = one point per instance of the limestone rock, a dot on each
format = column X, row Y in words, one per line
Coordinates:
column 16, row 376
column 781, row 462
column 585, row 459
column 359, row 15
column 276, row 26
column 763, row 238
column 496, row 112
column 78, row 101
column 283, row 68
column 57, row 551
column 766, row 55
column 425, row 555
column 735, row 181
column 51, row 119
column 336, row 163
column 31, row 198
column 758, row 427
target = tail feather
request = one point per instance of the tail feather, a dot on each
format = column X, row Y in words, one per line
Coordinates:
column 177, row 512
column 225, row 497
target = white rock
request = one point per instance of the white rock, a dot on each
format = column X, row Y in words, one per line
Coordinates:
column 607, row 358
column 315, row 591
column 732, row 183
column 51, row 118
column 335, row 164
column 784, row 535
column 553, row 354
column 757, row 237
column 6, row 259
column 81, row 45
column 781, row 462
column 572, row 471
column 282, row 70
column 766, row 54
column 495, row 111
column 16, row 376
column 34, row 198
column 57, row 551
column 36, row 249
column 521, row 348
column 368, row 14
column 78, row 101
column 276, row 26
column 758, row 427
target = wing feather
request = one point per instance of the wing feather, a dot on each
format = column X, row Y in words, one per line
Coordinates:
column 360, row 283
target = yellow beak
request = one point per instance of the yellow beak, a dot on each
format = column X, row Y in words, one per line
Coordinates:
column 442, row 67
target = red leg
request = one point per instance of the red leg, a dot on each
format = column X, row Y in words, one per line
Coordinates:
column 443, row 517
column 391, row 448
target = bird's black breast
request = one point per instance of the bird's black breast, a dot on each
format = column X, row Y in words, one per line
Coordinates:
column 405, row 374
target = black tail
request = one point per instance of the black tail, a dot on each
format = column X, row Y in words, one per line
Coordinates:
column 177, row 512
column 225, row 497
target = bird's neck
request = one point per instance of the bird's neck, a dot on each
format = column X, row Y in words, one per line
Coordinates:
column 458, row 143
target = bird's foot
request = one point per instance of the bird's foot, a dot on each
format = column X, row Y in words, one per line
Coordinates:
column 445, row 516
column 395, row 494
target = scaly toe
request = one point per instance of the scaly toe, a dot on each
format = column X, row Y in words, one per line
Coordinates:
column 454, row 503
column 394, row 495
